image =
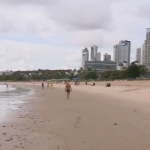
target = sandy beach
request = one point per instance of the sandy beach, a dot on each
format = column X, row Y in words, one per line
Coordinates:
column 95, row 118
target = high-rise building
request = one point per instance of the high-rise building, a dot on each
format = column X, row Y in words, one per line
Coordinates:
column 144, row 54
column 94, row 50
column 138, row 55
column 122, row 52
column 85, row 57
column 98, row 56
column 107, row 57
column 146, row 50
column 115, row 53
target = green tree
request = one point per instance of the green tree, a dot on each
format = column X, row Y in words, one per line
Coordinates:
column 133, row 71
column 142, row 70
column 90, row 75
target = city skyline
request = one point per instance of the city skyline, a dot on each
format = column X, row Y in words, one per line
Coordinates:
column 44, row 34
column 96, row 53
column 122, row 51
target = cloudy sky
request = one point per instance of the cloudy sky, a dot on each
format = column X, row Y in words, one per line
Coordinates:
column 50, row 34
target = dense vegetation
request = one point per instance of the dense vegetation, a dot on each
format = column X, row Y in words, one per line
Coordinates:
column 49, row 74
column 132, row 72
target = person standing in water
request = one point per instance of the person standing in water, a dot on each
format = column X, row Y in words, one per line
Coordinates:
column 6, row 85
column 68, row 89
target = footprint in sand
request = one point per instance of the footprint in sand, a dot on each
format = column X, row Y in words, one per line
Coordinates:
column 76, row 124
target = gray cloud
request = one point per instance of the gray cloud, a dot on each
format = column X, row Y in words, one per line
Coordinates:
column 78, row 23
column 6, row 25
column 17, row 55
column 78, row 14
column 35, row 2
column 142, row 9
column 82, row 14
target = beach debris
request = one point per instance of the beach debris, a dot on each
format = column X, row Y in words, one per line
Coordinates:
column 10, row 139
column 3, row 133
column 16, row 146
column 115, row 124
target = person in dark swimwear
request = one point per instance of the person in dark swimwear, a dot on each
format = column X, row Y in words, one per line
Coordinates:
column 42, row 85
column 68, row 89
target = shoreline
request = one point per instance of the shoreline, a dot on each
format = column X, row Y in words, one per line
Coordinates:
column 11, row 98
column 86, row 121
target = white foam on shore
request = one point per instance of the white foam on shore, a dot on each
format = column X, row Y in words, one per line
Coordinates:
column 4, row 88
column 11, row 97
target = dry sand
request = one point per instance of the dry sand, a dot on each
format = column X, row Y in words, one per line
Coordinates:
column 95, row 118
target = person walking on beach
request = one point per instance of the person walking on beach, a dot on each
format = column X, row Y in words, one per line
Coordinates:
column 68, row 89
column 47, row 85
column 86, row 83
column 42, row 85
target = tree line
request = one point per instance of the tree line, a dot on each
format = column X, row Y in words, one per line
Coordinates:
column 50, row 74
column 132, row 72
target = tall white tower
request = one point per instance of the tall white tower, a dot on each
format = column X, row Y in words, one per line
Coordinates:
column 94, row 50
column 138, row 55
column 85, row 57
column 144, row 54
column 147, row 47
column 122, row 52
column 146, row 50
column 98, row 57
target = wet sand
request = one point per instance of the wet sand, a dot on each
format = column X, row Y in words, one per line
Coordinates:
column 95, row 118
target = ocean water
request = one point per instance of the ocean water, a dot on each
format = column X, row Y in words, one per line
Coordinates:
column 11, row 97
